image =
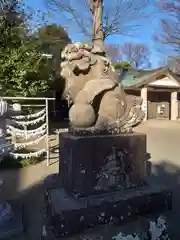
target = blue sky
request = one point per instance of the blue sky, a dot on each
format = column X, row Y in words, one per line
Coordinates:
column 144, row 35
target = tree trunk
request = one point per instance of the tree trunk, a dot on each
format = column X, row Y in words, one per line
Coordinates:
column 98, row 37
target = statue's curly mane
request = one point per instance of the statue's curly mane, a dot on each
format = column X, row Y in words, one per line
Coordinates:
column 78, row 57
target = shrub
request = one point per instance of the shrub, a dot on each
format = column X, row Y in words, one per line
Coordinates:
column 9, row 162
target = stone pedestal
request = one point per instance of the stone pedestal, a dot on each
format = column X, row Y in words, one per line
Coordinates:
column 12, row 228
column 102, row 182
column 11, row 224
column 97, row 164
column 67, row 215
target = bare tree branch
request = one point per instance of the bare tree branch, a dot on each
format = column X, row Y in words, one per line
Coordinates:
column 122, row 17
column 170, row 24
column 174, row 64
column 70, row 15
column 113, row 52
column 136, row 54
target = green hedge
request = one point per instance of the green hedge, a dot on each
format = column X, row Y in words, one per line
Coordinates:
column 9, row 162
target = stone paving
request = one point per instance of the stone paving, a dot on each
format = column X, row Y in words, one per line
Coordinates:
column 162, row 144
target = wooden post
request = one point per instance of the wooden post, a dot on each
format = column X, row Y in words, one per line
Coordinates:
column 25, row 132
column 13, row 137
column 47, row 132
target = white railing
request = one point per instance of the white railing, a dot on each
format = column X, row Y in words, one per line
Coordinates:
column 25, row 123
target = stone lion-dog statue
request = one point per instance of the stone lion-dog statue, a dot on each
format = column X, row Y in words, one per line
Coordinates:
column 98, row 101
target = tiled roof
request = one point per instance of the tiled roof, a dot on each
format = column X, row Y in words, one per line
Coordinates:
column 132, row 77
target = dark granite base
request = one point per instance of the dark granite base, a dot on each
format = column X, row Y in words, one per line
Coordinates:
column 66, row 215
column 100, row 164
column 13, row 228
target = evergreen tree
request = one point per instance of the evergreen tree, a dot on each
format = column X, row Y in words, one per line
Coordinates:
column 12, row 24
column 22, row 67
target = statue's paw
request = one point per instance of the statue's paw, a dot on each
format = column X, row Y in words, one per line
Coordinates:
column 82, row 116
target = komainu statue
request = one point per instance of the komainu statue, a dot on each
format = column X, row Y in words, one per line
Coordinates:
column 99, row 104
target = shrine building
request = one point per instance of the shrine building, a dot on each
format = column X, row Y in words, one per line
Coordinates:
column 159, row 89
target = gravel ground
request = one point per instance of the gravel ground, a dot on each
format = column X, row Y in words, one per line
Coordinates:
column 162, row 145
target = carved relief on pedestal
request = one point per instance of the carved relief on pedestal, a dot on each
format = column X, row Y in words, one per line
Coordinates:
column 116, row 172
